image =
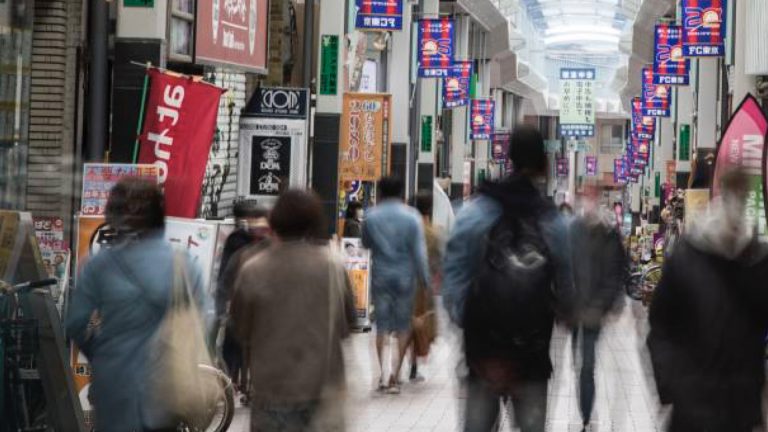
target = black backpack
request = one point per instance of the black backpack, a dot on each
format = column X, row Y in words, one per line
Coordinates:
column 509, row 313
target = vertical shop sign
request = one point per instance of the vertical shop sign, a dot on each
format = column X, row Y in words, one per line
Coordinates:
column 379, row 15
column 357, row 262
column 179, row 123
column 482, row 118
column 99, row 178
column 365, row 135
column 232, row 33
column 742, row 147
column 657, row 184
column 619, row 176
column 436, row 47
column 590, row 162
column 577, row 102
column 685, row 143
column 670, row 67
column 329, row 64
column 703, row 27
column 562, row 167
column 657, row 99
column 426, row 133
column 672, row 173
column 456, row 85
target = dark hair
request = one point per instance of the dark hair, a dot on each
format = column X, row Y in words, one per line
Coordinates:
column 244, row 208
column 390, row 187
column 298, row 214
column 352, row 208
column 526, row 150
column 137, row 205
column 734, row 181
column 424, row 203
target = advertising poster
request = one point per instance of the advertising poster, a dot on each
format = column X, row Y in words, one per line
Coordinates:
column 482, row 118
column 590, row 163
column 456, row 85
column 379, row 15
column 357, row 262
column 500, row 147
column 657, row 99
column 742, row 147
column 179, row 124
column 562, row 167
column 619, row 174
column 365, row 134
column 703, row 27
column 198, row 238
column 670, row 67
column 232, row 33
column 49, row 231
column 577, row 102
column 436, row 47
column 99, row 178
column 643, row 127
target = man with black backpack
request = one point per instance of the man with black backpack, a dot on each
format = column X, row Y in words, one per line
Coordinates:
column 506, row 277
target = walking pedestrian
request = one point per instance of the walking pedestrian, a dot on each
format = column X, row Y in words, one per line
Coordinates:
column 292, row 307
column 395, row 235
column 122, row 296
column 709, row 318
column 506, row 274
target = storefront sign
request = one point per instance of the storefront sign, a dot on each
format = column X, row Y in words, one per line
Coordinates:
column 685, row 143
column 590, row 163
column 279, row 102
column 577, row 102
column 232, row 33
column 703, row 27
column 329, row 64
column 482, row 118
column 365, row 135
column 456, row 86
column 741, row 147
column 669, row 65
column 180, row 120
column 139, row 3
column 657, row 99
column 436, row 47
column 426, row 133
column 379, row 15
column 100, row 178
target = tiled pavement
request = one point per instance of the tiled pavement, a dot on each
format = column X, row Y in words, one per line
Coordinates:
column 626, row 400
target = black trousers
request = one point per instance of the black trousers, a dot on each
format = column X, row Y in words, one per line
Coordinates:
column 528, row 403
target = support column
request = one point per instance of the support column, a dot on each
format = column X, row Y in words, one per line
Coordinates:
column 428, row 113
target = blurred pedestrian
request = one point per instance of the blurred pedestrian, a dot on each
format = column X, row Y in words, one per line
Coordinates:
column 292, row 307
column 353, row 222
column 599, row 266
column 395, row 235
column 122, row 296
column 506, row 272
column 709, row 318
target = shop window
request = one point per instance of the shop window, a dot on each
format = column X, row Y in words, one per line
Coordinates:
column 181, row 28
column 611, row 139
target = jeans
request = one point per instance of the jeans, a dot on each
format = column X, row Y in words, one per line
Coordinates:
column 529, row 406
column 589, row 338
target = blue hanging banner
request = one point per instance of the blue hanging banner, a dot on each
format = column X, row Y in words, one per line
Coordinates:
column 703, row 27
column 436, row 47
column 379, row 15
column 669, row 65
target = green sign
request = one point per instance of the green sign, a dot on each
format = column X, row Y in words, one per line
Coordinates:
column 684, row 143
column 426, row 133
column 329, row 64
column 657, row 185
column 139, row 3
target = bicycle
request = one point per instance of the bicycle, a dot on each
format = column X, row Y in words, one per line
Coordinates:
column 642, row 282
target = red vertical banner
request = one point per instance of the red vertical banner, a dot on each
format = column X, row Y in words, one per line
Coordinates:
column 179, row 124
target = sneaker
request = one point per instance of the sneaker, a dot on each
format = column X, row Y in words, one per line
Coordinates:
column 394, row 386
column 381, row 388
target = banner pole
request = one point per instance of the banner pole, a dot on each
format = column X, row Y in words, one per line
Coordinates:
column 140, row 122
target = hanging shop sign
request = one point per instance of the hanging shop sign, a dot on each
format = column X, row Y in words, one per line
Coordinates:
column 179, row 123
column 379, row 15
column 577, row 102
column 100, row 178
column 703, row 27
column 436, row 47
column 562, row 167
column 365, row 134
column 619, row 173
column 279, row 102
column 482, row 118
column 456, row 85
column 657, row 99
column 670, row 67
column 590, row 163
column 742, row 147
column 329, row 64
column 643, row 127
column 426, row 133
column 232, row 33
column 500, row 148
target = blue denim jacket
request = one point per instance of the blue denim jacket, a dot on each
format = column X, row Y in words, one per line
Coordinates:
column 466, row 249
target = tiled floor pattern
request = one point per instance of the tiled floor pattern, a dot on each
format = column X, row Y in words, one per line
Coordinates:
column 626, row 400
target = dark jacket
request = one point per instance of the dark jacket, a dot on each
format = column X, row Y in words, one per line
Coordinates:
column 709, row 319
column 353, row 228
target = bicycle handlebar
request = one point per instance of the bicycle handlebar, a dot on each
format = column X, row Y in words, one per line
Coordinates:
column 11, row 289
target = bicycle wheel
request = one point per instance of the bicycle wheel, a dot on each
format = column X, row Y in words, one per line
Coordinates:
column 632, row 286
column 651, row 279
column 219, row 417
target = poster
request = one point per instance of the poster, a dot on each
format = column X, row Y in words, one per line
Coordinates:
column 179, row 124
column 379, row 15
column 357, row 262
column 670, row 67
column 703, row 27
column 500, row 146
column 482, row 118
column 49, row 231
column 657, row 99
column 456, row 85
column 590, row 163
column 100, row 178
column 365, row 134
column 619, row 173
column 742, row 147
column 577, row 102
column 643, row 127
column 562, row 167
column 435, row 50
column 232, row 33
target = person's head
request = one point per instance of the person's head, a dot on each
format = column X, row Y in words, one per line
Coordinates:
column 250, row 216
column 298, row 214
column 136, row 205
column 526, row 151
column 354, row 210
column 566, row 209
column 424, row 204
column 390, row 188
column 734, row 187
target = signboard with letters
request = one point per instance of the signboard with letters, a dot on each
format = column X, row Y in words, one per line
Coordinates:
column 456, row 85
column 379, row 15
column 657, row 99
column 482, row 118
column 329, row 64
column 435, row 51
column 643, row 127
column 669, row 65
column 365, row 135
column 357, row 262
column 232, row 33
column 100, row 178
column 279, row 102
column 590, row 163
column 703, row 27
column 577, row 102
